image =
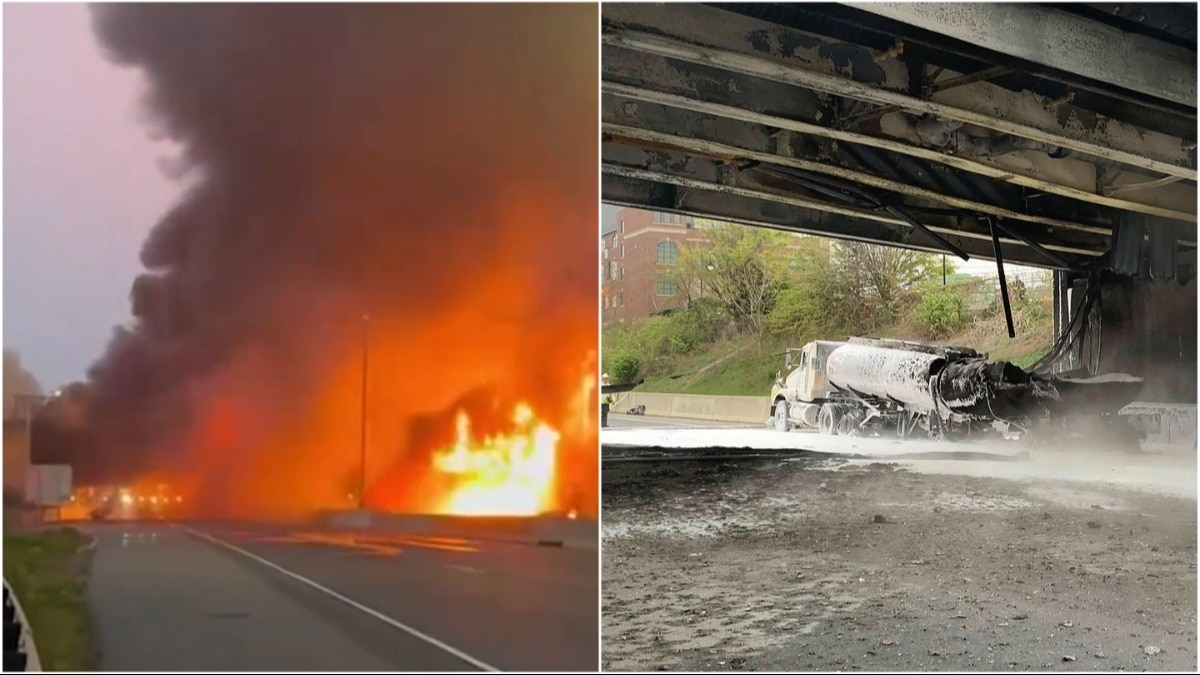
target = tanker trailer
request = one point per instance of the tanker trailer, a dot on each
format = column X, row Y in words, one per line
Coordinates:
column 877, row 387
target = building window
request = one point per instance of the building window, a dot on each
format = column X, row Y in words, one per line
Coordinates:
column 612, row 270
column 622, row 222
column 668, row 253
column 606, row 303
column 667, row 286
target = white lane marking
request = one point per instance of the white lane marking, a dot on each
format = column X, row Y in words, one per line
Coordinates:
column 463, row 656
column 468, row 570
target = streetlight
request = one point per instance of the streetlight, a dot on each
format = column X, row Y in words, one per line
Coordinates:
column 362, row 447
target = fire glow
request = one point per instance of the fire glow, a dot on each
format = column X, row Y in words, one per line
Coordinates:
column 510, row 474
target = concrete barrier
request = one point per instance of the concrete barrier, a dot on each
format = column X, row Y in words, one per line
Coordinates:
column 740, row 409
column 540, row 531
column 349, row 520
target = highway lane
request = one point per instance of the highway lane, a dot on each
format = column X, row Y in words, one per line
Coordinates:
column 255, row 597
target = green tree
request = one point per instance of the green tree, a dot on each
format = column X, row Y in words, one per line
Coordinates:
column 624, row 367
column 743, row 267
column 942, row 313
column 817, row 303
column 885, row 278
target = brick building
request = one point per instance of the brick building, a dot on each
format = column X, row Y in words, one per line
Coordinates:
column 635, row 259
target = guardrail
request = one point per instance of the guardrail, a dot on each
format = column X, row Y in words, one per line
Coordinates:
column 20, row 653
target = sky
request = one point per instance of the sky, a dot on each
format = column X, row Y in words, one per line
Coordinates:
column 608, row 218
column 82, row 187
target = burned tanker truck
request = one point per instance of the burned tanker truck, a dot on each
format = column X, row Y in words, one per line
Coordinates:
column 896, row 388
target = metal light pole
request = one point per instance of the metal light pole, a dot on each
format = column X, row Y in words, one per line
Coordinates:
column 362, row 448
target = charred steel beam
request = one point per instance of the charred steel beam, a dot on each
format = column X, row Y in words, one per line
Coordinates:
column 895, row 211
column 694, row 36
column 637, row 125
column 1008, row 317
column 1013, row 232
column 635, row 129
column 960, row 81
column 981, row 166
column 1062, row 41
column 707, row 201
column 669, row 180
column 834, row 189
column 671, row 167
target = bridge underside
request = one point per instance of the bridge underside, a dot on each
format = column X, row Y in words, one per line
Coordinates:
column 1057, row 136
column 884, row 124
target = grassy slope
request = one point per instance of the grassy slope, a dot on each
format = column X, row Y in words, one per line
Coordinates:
column 737, row 367
column 47, row 571
column 748, row 367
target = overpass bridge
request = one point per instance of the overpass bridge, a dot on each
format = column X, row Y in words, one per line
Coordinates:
column 1055, row 136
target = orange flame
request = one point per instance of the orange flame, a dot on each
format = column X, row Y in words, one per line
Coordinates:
column 509, row 474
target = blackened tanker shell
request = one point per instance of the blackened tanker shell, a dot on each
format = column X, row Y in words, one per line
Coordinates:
column 896, row 374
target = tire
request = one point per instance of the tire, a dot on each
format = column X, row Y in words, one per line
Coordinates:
column 846, row 426
column 828, row 419
column 780, row 419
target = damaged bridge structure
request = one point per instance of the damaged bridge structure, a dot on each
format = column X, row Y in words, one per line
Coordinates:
column 1050, row 135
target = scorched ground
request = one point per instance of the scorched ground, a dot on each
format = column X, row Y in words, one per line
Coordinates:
column 772, row 565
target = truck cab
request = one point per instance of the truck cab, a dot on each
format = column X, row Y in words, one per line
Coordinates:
column 805, row 386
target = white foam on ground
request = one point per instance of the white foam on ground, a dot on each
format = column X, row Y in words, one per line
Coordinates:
column 1159, row 474
column 769, row 439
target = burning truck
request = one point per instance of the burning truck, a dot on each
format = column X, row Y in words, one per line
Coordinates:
column 890, row 387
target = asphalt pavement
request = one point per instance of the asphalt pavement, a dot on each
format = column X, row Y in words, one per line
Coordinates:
column 234, row 596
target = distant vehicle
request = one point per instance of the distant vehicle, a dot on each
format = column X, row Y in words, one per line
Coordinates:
column 129, row 503
column 873, row 386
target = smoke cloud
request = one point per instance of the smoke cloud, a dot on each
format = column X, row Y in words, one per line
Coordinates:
column 432, row 166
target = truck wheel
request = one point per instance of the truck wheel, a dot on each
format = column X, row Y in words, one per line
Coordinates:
column 782, row 423
column 828, row 419
column 847, row 427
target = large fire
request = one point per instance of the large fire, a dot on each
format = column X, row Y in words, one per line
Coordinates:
column 509, row 474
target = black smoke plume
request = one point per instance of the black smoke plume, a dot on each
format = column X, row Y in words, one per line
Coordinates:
column 428, row 165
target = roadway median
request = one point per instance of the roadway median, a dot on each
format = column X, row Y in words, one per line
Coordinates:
column 733, row 409
column 47, row 571
column 549, row 531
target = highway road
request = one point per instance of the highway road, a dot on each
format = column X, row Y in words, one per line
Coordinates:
column 253, row 597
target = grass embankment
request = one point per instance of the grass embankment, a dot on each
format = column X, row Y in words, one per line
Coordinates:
column 746, row 365
column 736, row 367
column 48, row 572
